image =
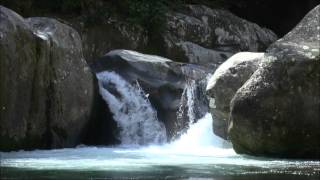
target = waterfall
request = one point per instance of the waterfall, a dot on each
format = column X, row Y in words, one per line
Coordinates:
column 198, row 140
column 199, row 135
column 193, row 105
column 131, row 110
column 186, row 114
column 190, row 93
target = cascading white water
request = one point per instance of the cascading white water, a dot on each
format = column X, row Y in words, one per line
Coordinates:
column 189, row 93
column 191, row 88
column 186, row 114
column 198, row 140
column 200, row 134
column 138, row 120
column 131, row 110
column 193, row 105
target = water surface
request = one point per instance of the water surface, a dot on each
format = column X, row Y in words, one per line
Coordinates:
column 198, row 154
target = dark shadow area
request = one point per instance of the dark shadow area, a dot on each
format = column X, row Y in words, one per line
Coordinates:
column 279, row 15
column 102, row 129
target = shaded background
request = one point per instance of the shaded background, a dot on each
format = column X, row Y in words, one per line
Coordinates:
column 279, row 15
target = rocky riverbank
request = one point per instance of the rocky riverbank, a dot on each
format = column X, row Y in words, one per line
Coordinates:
column 267, row 104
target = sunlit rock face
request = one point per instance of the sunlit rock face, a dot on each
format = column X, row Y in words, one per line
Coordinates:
column 276, row 112
column 198, row 34
column 225, row 82
column 162, row 81
column 46, row 86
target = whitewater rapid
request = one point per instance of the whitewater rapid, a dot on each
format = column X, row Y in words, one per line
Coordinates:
column 131, row 110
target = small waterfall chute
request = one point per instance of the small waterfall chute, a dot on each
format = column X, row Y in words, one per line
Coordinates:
column 193, row 105
column 186, row 114
column 200, row 134
column 131, row 110
column 198, row 140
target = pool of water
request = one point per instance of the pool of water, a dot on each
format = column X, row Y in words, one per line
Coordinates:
column 198, row 154
column 151, row 162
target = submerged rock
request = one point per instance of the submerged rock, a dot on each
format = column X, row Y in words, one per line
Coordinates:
column 198, row 34
column 46, row 86
column 276, row 112
column 225, row 82
column 161, row 79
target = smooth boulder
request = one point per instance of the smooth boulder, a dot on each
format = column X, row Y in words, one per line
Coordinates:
column 18, row 49
column 225, row 82
column 276, row 112
column 71, row 84
column 46, row 86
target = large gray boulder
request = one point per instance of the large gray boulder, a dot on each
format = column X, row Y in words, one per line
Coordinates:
column 46, row 86
column 165, row 82
column 197, row 33
column 225, row 82
column 196, row 54
column 110, row 34
column 18, row 49
column 276, row 112
column 193, row 34
column 70, row 81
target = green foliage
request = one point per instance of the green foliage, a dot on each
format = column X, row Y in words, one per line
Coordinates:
column 148, row 13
